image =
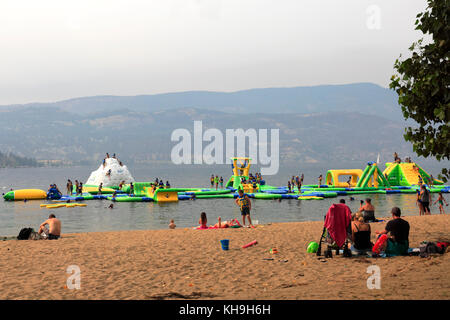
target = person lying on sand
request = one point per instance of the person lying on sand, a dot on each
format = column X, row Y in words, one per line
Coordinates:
column 223, row 224
column 54, row 227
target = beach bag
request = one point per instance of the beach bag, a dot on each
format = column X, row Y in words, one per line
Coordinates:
column 427, row 248
column 381, row 243
column 25, row 233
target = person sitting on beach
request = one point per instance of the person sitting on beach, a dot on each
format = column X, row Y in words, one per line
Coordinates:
column 172, row 224
column 360, row 235
column 54, row 227
column 397, row 233
column 203, row 221
column 369, row 211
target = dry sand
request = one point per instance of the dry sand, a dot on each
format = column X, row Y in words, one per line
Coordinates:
column 189, row 264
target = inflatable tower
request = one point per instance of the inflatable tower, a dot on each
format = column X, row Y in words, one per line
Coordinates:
column 240, row 167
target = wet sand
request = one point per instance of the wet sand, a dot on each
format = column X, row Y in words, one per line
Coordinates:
column 189, row 264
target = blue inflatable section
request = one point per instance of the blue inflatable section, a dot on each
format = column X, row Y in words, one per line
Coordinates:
column 53, row 194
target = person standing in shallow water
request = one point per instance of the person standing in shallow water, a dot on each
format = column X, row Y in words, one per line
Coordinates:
column 243, row 201
column 425, row 199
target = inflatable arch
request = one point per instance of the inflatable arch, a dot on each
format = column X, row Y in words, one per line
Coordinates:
column 333, row 177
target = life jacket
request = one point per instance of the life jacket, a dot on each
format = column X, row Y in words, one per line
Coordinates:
column 244, row 201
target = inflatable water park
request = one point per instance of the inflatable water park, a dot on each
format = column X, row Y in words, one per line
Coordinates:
column 113, row 181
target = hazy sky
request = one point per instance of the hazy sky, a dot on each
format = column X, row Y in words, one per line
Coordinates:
column 57, row 49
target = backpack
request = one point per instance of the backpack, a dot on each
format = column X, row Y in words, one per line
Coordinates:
column 25, row 233
column 427, row 248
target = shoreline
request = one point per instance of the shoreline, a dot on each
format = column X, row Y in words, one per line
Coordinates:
column 189, row 264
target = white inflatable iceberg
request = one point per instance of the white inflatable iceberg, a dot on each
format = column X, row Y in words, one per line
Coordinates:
column 112, row 173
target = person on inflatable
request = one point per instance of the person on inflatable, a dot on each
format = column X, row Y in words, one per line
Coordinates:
column 53, row 192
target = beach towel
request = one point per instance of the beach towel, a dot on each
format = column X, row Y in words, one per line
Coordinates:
column 337, row 220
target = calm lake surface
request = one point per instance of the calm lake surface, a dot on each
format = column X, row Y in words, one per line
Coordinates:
column 145, row 215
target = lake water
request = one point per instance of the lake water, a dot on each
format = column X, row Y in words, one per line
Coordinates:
column 149, row 215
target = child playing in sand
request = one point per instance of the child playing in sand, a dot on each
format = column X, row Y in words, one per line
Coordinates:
column 172, row 224
column 441, row 201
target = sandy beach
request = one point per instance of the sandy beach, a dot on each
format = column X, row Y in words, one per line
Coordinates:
column 189, row 264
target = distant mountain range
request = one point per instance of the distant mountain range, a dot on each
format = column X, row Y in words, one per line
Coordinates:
column 365, row 98
column 319, row 124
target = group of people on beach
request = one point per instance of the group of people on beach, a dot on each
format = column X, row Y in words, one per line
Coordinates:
column 245, row 206
column 392, row 241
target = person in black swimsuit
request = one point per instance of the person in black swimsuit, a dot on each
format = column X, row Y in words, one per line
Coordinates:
column 369, row 211
column 360, row 235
